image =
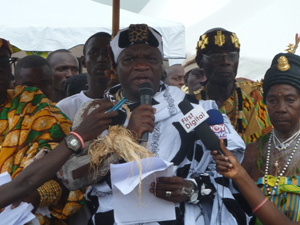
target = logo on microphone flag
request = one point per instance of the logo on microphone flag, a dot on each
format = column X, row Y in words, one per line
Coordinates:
column 193, row 118
column 219, row 130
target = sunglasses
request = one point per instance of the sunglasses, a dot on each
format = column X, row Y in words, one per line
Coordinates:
column 217, row 57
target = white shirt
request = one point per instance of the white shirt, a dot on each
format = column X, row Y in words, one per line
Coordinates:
column 72, row 104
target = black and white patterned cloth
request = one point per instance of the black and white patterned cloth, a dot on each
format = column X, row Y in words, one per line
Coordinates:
column 191, row 159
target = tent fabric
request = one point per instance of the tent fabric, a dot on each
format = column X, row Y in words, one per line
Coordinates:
column 263, row 27
column 48, row 25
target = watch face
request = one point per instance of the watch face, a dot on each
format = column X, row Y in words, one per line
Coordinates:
column 194, row 197
column 74, row 142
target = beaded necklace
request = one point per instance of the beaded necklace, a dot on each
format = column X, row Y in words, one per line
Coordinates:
column 238, row 104
column 284, row 168
column 283, row 145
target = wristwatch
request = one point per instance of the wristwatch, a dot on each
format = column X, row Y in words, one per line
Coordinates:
column 73, row 143
column 194, row 193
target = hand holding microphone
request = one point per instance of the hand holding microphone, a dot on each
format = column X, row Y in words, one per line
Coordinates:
column 145, row 93
column 142, row 118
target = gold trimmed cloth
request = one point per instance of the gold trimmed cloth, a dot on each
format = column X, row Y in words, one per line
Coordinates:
column 255, row 118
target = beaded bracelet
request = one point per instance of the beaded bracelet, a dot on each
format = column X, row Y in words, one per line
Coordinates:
column 260, row 205
column 50, row 193
column 80, row 139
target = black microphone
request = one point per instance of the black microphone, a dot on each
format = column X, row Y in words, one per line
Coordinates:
column 145, row 93
column 203, row 130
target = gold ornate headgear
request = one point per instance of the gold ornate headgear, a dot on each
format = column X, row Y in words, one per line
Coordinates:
column 201, row 43
column 285, row 69
column 218, row 39
column 292, row 48
column 283, row 62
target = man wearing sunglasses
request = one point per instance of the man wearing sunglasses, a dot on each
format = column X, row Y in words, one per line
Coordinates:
column 218, row 54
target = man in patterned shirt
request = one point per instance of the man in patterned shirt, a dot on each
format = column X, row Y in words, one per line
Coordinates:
column 218, row 54
column 30, row 127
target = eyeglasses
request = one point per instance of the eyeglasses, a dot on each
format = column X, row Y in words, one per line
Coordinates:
column 6, row 62
column 218, row 57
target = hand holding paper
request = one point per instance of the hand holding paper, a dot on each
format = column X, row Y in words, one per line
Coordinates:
column 19, row 215
column 125, row 182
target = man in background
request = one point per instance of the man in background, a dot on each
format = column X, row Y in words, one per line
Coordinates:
column 174, row 76
column 35, row 71
column 31, row 126
column 218, row 52
column 194, row 76
column 64, row 65
column 95, row 60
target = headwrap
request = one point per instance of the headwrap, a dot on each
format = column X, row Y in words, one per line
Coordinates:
column 6, row 45
column 217, row 39
column 189, row 64
column 135, row 34
column 285, row 69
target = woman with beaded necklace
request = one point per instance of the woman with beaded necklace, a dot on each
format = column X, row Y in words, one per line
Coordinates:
column 273, row 161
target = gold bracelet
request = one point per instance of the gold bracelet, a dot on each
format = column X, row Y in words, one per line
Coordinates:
column 50, row 193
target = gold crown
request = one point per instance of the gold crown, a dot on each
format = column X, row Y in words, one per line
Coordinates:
column 292, row 48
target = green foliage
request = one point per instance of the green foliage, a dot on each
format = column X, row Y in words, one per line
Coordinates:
column 263, row 140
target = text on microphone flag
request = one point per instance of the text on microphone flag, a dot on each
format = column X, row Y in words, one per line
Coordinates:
column 193, row 118
column 219, row 130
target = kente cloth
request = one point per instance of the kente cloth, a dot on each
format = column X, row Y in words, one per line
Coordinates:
column 191, row 159
column 286, row 197
column 29, row 123
column 255, row 118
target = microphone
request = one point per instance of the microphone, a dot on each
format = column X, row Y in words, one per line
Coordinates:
column 145, row 92
column 203, row 130
column 216, row 123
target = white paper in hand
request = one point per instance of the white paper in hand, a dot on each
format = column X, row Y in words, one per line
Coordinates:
column 125, row 182
column 17, row 216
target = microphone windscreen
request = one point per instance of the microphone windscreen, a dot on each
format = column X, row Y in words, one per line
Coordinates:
column 185, row 106
column 215, row 117
column 146, row 89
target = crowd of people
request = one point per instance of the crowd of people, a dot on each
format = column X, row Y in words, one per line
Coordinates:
column 53, row 121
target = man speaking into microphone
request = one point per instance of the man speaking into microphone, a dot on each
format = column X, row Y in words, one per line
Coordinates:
column 137, row 56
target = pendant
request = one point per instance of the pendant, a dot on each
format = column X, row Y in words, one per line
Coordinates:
column 281, row 147
column 277, row 171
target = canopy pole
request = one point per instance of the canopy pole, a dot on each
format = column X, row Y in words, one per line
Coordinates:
column 115, row 17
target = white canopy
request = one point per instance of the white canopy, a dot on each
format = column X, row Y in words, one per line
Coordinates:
column 264, row 27
column 47, row 25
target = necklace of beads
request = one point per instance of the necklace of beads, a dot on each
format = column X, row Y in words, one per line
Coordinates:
column 283, row 145
column 284, row 168
column 238, row 104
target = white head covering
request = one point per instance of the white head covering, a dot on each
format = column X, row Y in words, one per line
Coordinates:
column 135, row 34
